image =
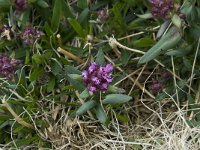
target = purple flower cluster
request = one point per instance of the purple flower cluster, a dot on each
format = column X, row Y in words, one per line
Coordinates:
column 20, row 4
column 8, row 66
column 97, row 77
column 161, row 8
column 30, row 35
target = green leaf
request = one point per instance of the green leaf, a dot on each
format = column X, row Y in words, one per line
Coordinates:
column 26, row 141
column 42, row 3
column 100, row 113
column 176, row 20
column 163, row 28
column 66, row 10
column 115, row 89
column 168, row 41
column 77, row 27
column 5, row 3
column 193, row 123
column 85, row 94
column 116, row 98
column 85, row 107
column 75, row 76
column 145, row 16
column 82, row 4
column 57, row 12
column 144, row 42
column 56, row 67
column 71, row 70
column 38, row 59
column 36, row 73
column 100, row 58
column 122, row 118
column 51, row 84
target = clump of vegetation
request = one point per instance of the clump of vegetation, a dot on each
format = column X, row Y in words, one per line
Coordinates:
column 91, row 74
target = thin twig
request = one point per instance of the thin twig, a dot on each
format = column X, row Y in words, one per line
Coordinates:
column 194, row 62
column 69, row 55
column 17, row 118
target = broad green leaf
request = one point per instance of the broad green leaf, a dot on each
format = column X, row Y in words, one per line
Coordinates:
column 178, row 52
column 100, row 58
column 51, row 83
column 144, row 42
column 145, row 16
column 38, row 59
column 42, row 3
column 85, row 94
column 85, row 107
column 168, row 41
column 71, row 70
column 4, row 3
column 56, row 67
column 122, row 118
column 116, row 98
column 57, row 12
column 36, row 73
column 75, row 76
column 193, row 123
column 115, row 89
column 83, row 17
column 77, row 27
column 176, row 20
column 100, row 113
column 82, row 4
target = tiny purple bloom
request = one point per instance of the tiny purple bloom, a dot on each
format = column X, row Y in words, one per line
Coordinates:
column 92, row 88
column 109, row 68
column 85, row 75
column 8, row 66
column 20, row 4
column 30, row 35
column 161, row 8
column 97, row 77
column 92, row 67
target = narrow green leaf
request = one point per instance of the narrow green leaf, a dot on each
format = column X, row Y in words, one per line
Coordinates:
column 168, row 41
column 116, row 98
column 57, row 12
column 77, row 27
column 100, row 113
column 176, row 20
column 85, row 107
